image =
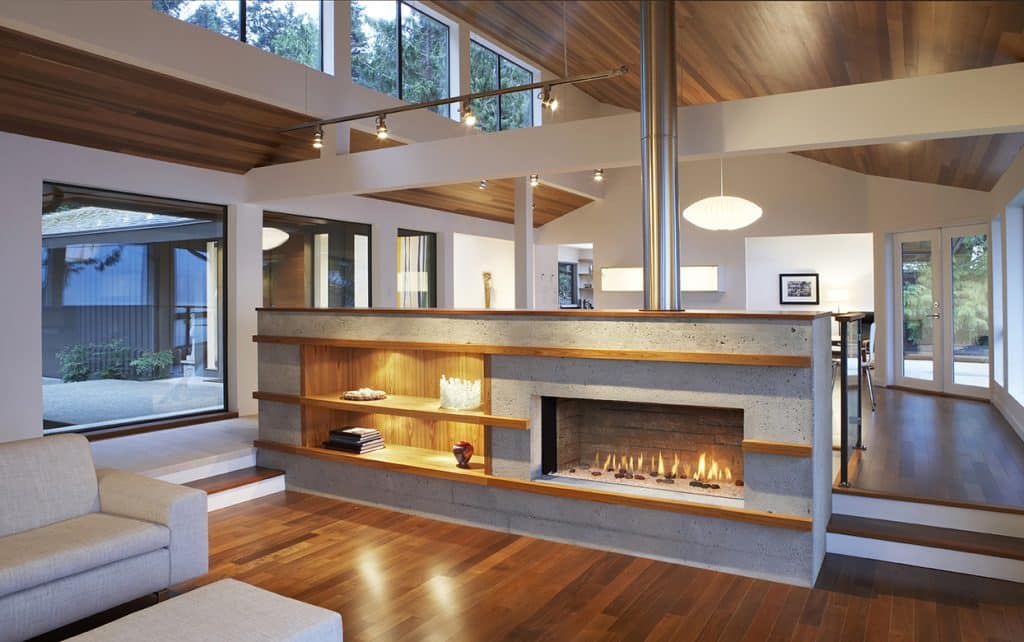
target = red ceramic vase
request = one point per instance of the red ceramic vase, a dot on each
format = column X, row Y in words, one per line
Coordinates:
column 463, row 451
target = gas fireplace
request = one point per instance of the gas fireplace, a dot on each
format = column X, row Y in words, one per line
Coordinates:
column 687, row 449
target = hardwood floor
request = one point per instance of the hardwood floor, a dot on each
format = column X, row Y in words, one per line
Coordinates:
column 400, row 577
column 927, row 446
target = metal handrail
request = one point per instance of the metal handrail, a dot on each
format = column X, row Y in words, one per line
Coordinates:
column 844, row 321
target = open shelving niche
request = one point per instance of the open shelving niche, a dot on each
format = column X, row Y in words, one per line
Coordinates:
column 417, row 432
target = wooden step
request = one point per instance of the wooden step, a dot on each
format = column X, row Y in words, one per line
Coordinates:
column 928, row 536
column 234, row 479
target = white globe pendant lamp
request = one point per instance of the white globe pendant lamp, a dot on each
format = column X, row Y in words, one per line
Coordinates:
column 722, row 212
column 273, row 238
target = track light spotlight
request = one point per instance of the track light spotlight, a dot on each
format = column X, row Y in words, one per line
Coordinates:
column 598, row 175
column 318, row 137
column 483, row 183
column 534, row 180
column 468, row 117
column 382, row 128
column 548, row 100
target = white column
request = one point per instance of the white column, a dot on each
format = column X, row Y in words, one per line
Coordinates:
column 21, row 393
column 460, row 69
column 384, row 265
column 245, row 294
column 446, row 270
column 337, row 49
column 1014, row 301
column 525, row 263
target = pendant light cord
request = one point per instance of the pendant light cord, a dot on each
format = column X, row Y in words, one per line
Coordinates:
column 721, row 176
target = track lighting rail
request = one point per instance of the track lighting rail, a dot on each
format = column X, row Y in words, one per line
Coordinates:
column 546, row 85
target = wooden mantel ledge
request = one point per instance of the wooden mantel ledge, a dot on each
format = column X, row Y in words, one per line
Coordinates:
column 809, row 315
column 614, row 354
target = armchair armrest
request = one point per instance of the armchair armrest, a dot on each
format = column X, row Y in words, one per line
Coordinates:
column 181, row 509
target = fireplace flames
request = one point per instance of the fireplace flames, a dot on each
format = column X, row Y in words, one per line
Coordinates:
column 707, row 473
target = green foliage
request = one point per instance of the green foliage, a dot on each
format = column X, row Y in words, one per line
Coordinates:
column 275, row 27
column 970, row 294
column 424, row 59
column 105, row 361
column 374, row 46
column 74, row 363
column 112, row 359
column 271, row 25
column 153, row 364
column 515, row 111
column 374, row 51
column 970, row 290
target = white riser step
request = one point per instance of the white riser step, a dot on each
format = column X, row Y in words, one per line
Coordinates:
column 245, row 493
column 204, row 469
column 937, row 558
column 964, row 519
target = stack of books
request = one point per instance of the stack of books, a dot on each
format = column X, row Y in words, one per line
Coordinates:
column 355, row 440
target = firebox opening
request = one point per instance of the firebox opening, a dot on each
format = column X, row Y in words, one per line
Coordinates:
column 636, row 446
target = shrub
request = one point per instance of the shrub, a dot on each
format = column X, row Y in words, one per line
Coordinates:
column 152, row 365
column 74, row 363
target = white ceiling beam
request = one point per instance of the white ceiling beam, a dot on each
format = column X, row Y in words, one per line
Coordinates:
column 965, row 103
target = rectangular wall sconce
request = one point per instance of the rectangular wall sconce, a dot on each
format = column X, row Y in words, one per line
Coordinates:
column 693, row 278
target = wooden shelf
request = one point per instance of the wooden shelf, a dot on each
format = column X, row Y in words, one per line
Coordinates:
column 418, row 407
column 415, row 461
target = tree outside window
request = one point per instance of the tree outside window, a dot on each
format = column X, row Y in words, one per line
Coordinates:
column 400, row 51
column 287, row 28
column 490, row 70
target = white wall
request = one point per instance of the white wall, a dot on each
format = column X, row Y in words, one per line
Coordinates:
column 474, row 255
column 842, row 261
column 24, row 164
column 799, row 196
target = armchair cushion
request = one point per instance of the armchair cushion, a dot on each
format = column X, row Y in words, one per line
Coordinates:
column 73, row 546
column 44, row 481
column 179, row 508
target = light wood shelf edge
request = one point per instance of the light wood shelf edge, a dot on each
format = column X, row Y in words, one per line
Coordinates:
column 717, row 358
column 406, row 406
column 554, row 490
column 396, row 409
column 776, row 448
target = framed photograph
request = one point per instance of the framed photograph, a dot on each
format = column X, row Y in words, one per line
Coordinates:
column 796, row 289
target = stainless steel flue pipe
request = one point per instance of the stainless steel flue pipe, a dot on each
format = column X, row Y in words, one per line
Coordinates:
column 659, row 155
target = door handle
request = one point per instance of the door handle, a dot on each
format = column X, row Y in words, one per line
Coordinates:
column 934, row 316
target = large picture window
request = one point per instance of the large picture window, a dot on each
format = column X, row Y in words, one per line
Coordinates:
column 315, row 263
column 400, row 51
column 490, row 70
column 133, row 311
column 288, row 28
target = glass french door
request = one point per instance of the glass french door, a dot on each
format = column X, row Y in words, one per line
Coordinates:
column 943, row 310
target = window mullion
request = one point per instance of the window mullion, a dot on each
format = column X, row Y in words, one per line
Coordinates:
column 398, row 62
column 499, row 56
column 241, row 21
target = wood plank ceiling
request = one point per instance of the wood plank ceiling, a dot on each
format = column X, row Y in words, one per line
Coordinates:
column 59, row 93
column 496, row 203
column 733, row 50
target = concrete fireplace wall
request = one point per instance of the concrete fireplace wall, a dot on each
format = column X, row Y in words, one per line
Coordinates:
column 779, row 404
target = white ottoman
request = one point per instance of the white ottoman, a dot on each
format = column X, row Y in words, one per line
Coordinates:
column 222, row 611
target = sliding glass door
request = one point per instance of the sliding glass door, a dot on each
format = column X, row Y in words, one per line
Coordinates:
column 943, row 310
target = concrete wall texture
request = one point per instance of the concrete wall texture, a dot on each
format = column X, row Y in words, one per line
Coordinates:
column 784, row 404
